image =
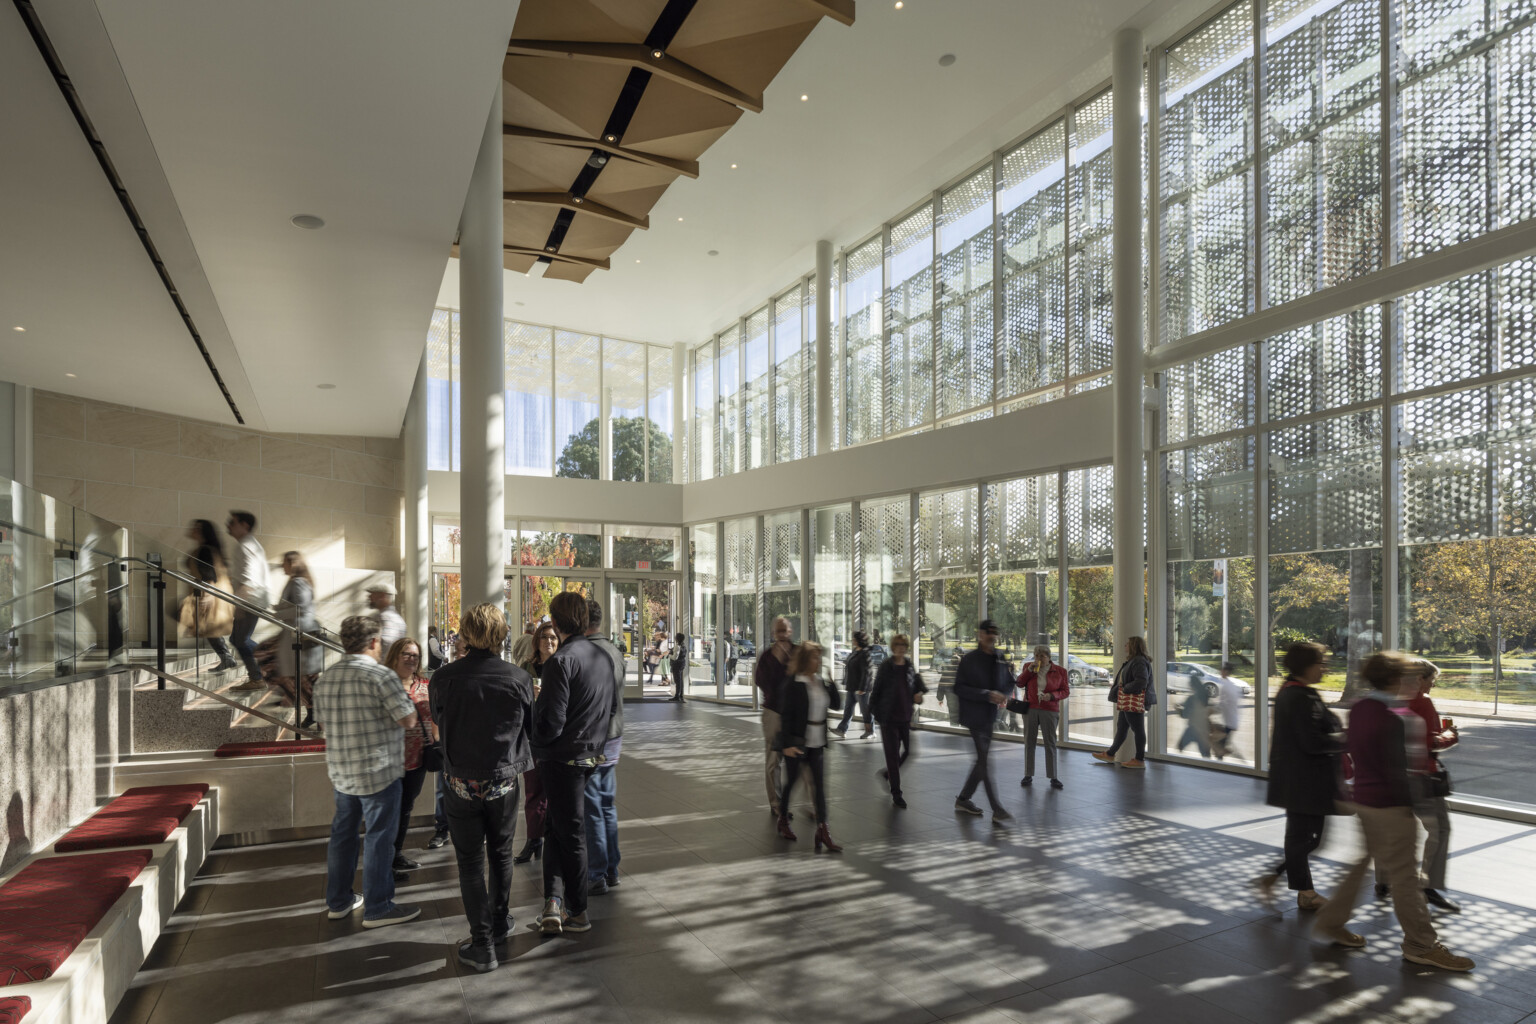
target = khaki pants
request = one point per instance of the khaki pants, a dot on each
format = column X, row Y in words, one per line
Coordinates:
column 772, row 758
column 1391, row 835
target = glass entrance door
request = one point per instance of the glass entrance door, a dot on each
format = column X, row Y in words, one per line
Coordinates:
column 641, row 623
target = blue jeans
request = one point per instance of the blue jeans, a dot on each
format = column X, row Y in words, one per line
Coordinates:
column 602, row 819
column 380, row 812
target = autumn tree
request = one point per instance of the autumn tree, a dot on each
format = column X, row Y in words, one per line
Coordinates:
column 1481, row 591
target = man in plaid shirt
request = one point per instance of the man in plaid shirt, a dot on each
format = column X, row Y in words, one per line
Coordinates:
column 365, row 712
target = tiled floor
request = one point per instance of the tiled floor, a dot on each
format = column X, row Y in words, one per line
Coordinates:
column 1120, row 899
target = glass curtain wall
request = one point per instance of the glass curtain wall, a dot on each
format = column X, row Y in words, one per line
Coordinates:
column 1023, row 554
column 757, row 397
column 947, row 585
column 442, row 396
column 793, row 366
column 831, row 584
column 885, row 568
column 704, row 635
column 908, row 380
column 530, row 373
column 740, row 597
column 1088, row 531
column 781, row 562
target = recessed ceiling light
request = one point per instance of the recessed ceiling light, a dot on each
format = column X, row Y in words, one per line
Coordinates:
column 23, row 330
column 679, row 220
column 326, row 387
column 804, row 97
column 69, row 375
column 307, row 221
column 714, row 252
column 657, row 54
column 946, row 60
column 637, row 261
column 597, row 161
column 576, row 199
column 899, row 5
column 733, row 167
column 610, row 138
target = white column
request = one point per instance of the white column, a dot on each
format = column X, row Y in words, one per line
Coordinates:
column 679, row 417
column 1129, row 486
column 415, row 536
column 824, row 423
column 482, row 483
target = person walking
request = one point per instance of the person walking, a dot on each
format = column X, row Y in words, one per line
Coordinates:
column 1045, row 685
column 1133, row 693
column 296, row 674
column 807, row 701
column 856, row 672
column 982, row 684
column 1229, row 715
column 434, row 650
column 1196, row 712
column 680, row 667
column 896, row 689
column 570, row 729
column 768, row 677
column 404, row 659
column 545, row 642
column 602, row 815
column 1434, row 785
column 365, row 711
column 483, row 709
column 248, row 573
column 1304, row 754
column 1384, row 746
column 202, row 615
column 381, row 598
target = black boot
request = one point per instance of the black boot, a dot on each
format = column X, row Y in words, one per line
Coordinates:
column 532, row 850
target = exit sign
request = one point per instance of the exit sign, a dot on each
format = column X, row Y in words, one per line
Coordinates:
column 642, row 565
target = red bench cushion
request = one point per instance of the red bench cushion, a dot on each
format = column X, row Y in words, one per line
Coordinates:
column 13, row 1008
column 275, row 747
column 143, row 815
column 52, row 904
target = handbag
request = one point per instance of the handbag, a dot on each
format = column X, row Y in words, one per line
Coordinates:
column 1133, row 702
column 1438, row 783
column 431, row 753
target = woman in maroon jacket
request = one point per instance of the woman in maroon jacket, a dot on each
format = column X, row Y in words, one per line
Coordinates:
column 1384, row 790
column 1045, row 686
column 896, row 689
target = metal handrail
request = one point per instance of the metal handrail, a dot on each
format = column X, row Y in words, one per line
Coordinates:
column 179, row 681
column 238, row 602
column 52, row 583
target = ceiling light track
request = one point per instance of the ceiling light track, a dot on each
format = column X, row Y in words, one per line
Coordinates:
column 639, row 56
column 556, row 257
column 568, row 201
column 66, row 87
column 685, row 168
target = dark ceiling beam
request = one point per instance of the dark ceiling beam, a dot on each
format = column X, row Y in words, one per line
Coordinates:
column 837, row 10
column 577, row 204
column 686, row 168
column 580, row 261
column 637, row 55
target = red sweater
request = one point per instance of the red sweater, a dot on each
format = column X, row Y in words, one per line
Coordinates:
column 1439, row 739
column 1376, row 746
column 1056, row 687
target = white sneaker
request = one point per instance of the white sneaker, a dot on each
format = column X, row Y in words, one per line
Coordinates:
column 551, row 920
column 357, row 904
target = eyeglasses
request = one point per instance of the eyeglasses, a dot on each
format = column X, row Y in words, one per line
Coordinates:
column 549, row 639
column 410, row 657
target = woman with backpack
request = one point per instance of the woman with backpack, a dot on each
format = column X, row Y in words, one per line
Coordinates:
column 1132, row 694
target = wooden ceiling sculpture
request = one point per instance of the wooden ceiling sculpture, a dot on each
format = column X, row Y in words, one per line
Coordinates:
column 607, row 102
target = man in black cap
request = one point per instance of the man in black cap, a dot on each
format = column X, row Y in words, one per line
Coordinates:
column 983, row 683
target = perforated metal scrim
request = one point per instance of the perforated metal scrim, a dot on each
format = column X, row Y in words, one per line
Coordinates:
column 1031, row 202
column 1024, row 517
column 965, row 344
column 863, row 334
column 1211, row 395
column 728, row 347
column 790, row 358
column 909, row 318
column 756, row 421
column 702, row 440
column 946, row 533
column 1322, row 127
column 741, row 554
column 706, row 567
column 1091, row 341
column 1210, row 500
column 1325, row 365
column 782, row 532
column 1325, row 484
column 884, row 525
column 1089, row 516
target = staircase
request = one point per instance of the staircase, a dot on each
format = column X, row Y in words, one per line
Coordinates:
column 177, row 719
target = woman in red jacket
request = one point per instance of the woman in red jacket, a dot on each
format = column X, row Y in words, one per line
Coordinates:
column 1045, row 686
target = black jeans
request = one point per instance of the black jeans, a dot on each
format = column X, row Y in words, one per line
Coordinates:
column 863, row 702
column 410, row 789
column 896, row 738
column 811, row 757
column 679, row 676
column 483, row 830
column 981, row 771
column 565, row 834
column 1303, row 834
column 245, row 646
column 1131, row 721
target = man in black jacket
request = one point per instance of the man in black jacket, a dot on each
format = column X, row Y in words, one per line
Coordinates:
column 856, row 679
column 570, row 729
column 602, row 817
column 983, row 683
column 483, row 708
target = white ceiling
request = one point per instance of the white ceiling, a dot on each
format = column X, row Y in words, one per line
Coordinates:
column 225, row 120
column 884, row 124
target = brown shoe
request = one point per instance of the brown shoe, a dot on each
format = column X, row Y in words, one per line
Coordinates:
column 1099, row 755
column 1342, row 937
column 1310, row 901
column 1134, row 762
column 1439, row 956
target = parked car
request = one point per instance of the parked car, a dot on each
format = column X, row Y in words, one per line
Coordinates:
column 1080, row 673
column 1183, row 675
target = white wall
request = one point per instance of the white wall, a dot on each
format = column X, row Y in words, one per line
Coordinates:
column 1070, row 432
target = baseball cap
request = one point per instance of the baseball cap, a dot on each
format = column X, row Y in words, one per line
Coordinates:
column 987, row 626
